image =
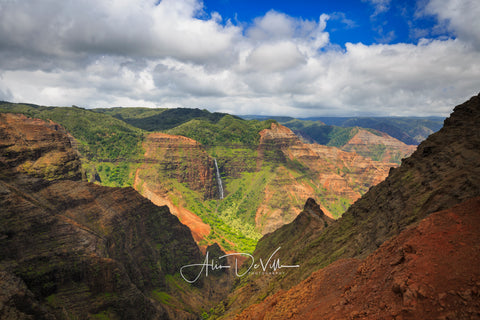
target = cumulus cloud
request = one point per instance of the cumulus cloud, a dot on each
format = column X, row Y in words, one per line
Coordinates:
column 460, row 16
column 275, row 57
column 172, row 53
column 74, row 31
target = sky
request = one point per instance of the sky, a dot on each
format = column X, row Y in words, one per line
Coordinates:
column 295, row 58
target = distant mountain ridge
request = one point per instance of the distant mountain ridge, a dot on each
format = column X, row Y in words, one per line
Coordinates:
column 158, row 119
column 409, row 130
column 381, row 139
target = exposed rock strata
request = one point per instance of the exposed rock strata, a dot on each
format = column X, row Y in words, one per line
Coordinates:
column 328, row 173
column 379, row 146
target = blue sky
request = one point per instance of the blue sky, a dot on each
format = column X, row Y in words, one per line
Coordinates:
column 350, row 21
column 296, row 58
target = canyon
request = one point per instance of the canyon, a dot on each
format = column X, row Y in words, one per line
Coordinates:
column 72, row 248
column 265, row 171
column 286, row 171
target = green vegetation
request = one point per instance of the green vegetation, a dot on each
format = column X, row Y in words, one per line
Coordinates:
column 161, row 119
column 316, row 131
column 104, row 315
column 233, row 231
column 100, row 137
column 228, row 131
column 409, row 130
column 108, row 146
column 162, row 297
column 377, row 151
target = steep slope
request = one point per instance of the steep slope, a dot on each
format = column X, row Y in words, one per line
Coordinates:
column 170, row 160
column 442, row 172
column 409, row 130
column 266, row 172
column 378, row 146
column 38, row 148
column 336, row 177
column 109, row 148
column 264, row 187
column 369, row 143
column 181, row 159
column 429, row 271
column 72, row 249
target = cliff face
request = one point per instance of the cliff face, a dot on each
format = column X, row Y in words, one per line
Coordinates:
column 427, row 271
column 444, row 171
column 38, row 148
column 181, row 159
column 379, row 146
column 75, row 249
column 170, row 160
column 321, row 172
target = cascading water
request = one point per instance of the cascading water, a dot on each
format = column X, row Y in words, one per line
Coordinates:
column 219, row 179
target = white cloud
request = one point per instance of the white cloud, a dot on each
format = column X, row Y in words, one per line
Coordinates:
column 75, row 30
column 460, row 16
column 341, row 17
column 5, row 93
column 275, row 57
column 135, row 53
column 380, row 6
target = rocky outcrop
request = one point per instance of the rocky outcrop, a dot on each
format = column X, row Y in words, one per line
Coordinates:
column 37, row 148
column 171, row 159
column 160, row 197
column 72, row 249
column 427, row 271
column 310, row 223
column 181, row 159
column 378, row 146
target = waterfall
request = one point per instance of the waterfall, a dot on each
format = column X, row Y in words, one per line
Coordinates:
column 219, row 179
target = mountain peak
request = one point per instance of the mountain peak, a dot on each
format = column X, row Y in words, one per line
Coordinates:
column 312, row 206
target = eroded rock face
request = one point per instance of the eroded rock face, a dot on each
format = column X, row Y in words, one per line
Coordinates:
column 37, row 148
column 380, row 146
column 427, row 272
column 75, row 249
column 179, row 158
column 328, row 173
column 175, row 158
